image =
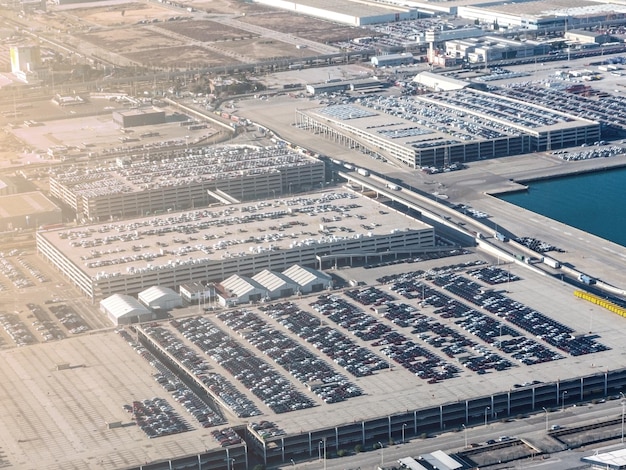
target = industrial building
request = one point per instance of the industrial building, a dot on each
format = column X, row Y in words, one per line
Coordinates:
column 392, row 60
column 160, row 299
column 350, row 12
column 308, row 280
column 27, row 210
column 276, row 284
column 239, row 290
column 212, row 244
column 125, row 309
column 185, row 178
column 139, row 117
column 438, row 130
column 196, row 291
column 488, row 49
column 363, row 85
column 439, row 82
column 541, row 15
column 613, row 460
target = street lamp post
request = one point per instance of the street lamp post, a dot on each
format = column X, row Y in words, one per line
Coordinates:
column 324, row 453
column 487, row 408
column 465, row 434
column 544, row 409
column 319, row 451
column 403, row 427
column 623, row 404
column 382, row 454
column 563, row 400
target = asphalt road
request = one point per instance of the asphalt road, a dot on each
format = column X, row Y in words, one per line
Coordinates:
column 532, row 428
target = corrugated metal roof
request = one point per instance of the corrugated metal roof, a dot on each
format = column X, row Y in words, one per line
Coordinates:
column 302, row 275
column 154, row 293
column 272, row 281
column 239, row 286
column 120, row 305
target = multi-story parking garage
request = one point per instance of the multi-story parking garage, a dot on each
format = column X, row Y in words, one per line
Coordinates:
column 213, row 244
column 185, row 178
column 451, row 127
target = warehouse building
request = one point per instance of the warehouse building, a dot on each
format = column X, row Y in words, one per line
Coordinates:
column 185, row 178
column 276, row 285
column 350, row 12
column 196, row 291
column 127, row 257
column 439, row 130
column 392, row 60
column 139, row 117
column 28, row 210
column 308, row 279
column 160, row 299
column 439, row 82
column 125, row 309
column 238, row 290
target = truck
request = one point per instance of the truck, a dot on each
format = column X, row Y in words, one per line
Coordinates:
column 551, row 262
column 363, row 172
column 393, row 187
column 586, row 279
column 500, row 237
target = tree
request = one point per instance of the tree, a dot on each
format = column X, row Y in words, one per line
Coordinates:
column 358, row 448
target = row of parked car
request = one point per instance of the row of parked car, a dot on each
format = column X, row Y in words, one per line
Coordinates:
column 539, row 325
column 156, row 417
column 330, row 386
column 263, row 380
column 205, row 415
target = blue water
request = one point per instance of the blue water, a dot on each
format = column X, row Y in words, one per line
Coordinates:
column 594, row 202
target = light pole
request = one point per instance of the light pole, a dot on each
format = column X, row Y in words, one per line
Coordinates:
column 623, row 404
column 293, row 463
column 465, row 434
column 563, row 400
column 319, row 451
column 487, row 408
column 228, row 463
column 324, row 453
column 403, row 427
column 544, row 409
column 382, row 454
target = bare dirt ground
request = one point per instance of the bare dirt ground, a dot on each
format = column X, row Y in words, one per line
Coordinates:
column 260, row 48
column 123, row 14
column 131, row 40
column 181, row 56
column 207, row 31
column 301, row 26
column 147, row 34
column 10, row 149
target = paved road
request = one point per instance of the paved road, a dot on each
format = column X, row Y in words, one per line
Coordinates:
column 532, row 428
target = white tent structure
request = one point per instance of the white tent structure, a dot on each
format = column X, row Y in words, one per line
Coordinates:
column 125, row 309
column 276, row 285
column 308, row 279
column 239, row 290
column 160, row 298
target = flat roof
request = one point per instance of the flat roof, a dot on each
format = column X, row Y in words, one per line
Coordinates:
column 65, row 412
column 23, row 204
column 179, row 168
column 551, row 8
column 211, row 235
column 445, row 118
column 353, row 8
